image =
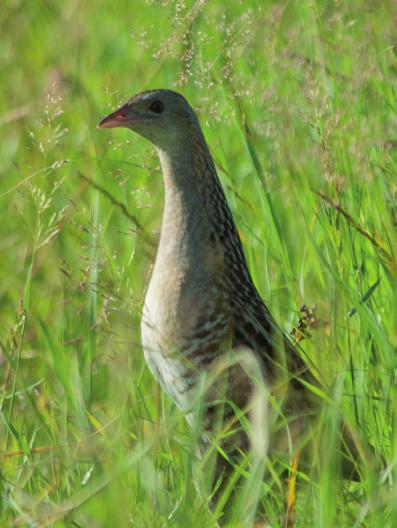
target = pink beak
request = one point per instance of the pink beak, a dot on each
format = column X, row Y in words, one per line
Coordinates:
column 115, row 119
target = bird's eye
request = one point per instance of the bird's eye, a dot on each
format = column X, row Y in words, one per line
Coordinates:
column 157, row 107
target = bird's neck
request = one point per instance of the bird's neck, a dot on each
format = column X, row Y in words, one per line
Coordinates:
column 187, row 167
column 189, row 176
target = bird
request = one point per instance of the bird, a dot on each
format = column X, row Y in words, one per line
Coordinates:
column 201, row 305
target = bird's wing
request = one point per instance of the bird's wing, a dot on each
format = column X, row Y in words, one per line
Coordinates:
column 255, row 327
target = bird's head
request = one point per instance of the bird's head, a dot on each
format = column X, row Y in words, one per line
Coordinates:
column 161, row 116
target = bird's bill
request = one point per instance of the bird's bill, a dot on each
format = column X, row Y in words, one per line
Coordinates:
column 119, row 118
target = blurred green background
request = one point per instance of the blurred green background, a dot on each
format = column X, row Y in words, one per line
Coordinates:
column 298, row 103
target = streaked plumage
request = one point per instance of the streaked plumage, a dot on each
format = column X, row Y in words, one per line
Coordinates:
column 201, row 303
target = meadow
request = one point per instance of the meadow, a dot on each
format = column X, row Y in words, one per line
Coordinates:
column 298, row 103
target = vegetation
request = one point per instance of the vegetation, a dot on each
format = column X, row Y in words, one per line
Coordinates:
column 298, row 102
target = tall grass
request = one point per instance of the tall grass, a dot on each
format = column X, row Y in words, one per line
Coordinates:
column 298, row 103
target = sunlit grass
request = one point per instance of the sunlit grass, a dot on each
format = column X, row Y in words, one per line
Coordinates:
column 298, row 104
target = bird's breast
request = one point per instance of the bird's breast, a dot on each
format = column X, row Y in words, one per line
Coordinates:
column 183, row 302
column 170, row 310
